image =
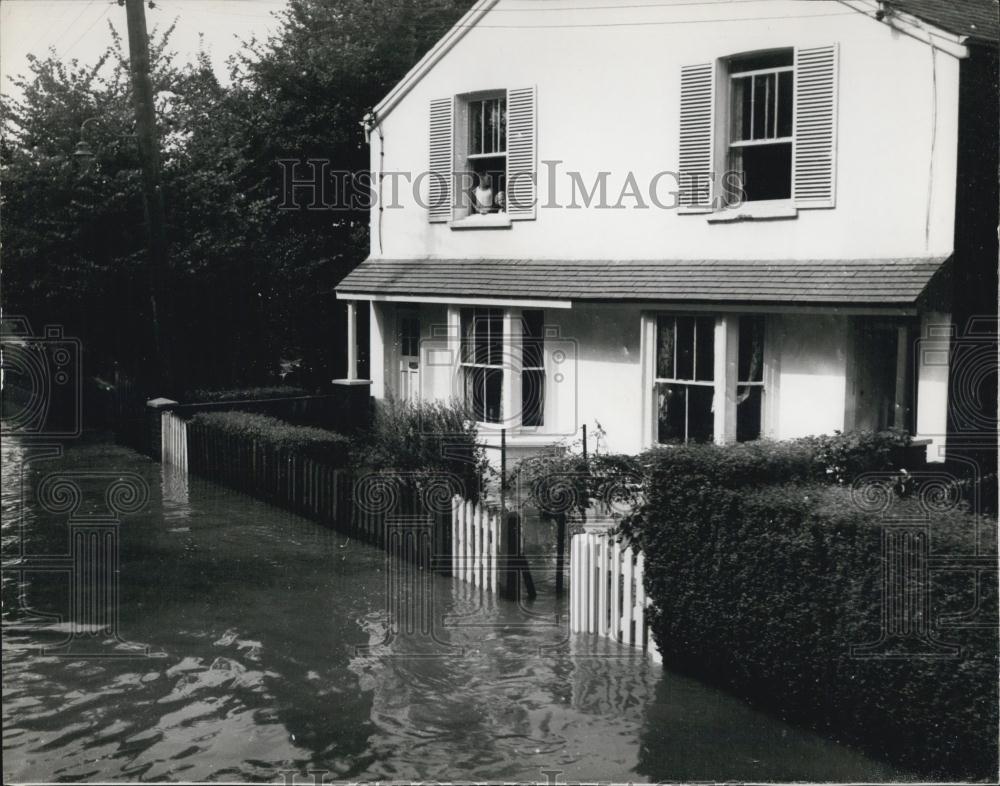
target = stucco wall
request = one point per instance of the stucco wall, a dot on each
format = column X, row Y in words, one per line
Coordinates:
column 594, row 373
column 608, row 100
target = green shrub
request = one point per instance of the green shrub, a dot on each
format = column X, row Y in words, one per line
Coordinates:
column 424, row 439
column 244, row 394
column 320, row 444
column 764, row 588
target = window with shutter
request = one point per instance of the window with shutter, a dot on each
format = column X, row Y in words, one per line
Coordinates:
column 815, row 127
column 522, row 176
column 697, row 121
column 441, row 160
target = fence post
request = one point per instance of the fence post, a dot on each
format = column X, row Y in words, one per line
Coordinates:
column 602, row 586
column 616, row 576
column 640, row 602
column 628, row 636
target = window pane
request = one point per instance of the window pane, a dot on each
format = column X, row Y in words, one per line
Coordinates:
column 684, row 413
column 476, row 127
column 785, row 103
column 533, row 339
column 467, row 317
column 495, row 326
column 473, row 392
column 665, row 347
column 751, row 354
column 763, row 97
column 705, row 349
column 701, row 421
column 671, row 405
column 748, row 412
column 493, row 382
column 685, row 348
column 503, row 125
column 532, row 397
column 767, row 170
column 740, row 127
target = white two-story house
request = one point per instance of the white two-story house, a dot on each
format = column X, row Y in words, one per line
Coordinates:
column 705, row 221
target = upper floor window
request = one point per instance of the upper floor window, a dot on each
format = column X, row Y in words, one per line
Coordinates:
column 482, row 157
column 761, row 109
column 486, row 160
column 770, row 116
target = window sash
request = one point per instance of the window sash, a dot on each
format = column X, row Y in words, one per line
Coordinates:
column 676, row 351
column 771, row 105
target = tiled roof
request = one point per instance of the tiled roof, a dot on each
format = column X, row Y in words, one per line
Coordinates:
column 856, row 281
column 978, row 19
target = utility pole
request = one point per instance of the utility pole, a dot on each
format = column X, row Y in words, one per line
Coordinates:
column 149, row 155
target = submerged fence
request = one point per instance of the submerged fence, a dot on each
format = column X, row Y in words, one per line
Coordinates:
column 475, row 544
column 607, row 596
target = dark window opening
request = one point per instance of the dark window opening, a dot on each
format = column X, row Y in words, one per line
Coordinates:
column 760, row 127
column 532, row 369
column 750, row 379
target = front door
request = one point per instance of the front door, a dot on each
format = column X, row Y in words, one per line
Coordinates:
column 409, row 355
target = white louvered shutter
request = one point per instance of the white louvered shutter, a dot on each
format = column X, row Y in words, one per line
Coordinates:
column 441, row 160
column 697, row 115
column 814, row 182
column 522, row 174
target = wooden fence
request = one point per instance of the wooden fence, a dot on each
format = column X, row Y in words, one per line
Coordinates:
column 475, row 544
column 174, row 440
column 607, row 596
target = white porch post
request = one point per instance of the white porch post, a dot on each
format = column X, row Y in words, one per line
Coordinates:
column 727, row 344
column 352, row 340
column 933, row 357
column 376, row 353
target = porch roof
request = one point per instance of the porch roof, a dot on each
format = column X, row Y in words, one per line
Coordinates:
column 896, row 282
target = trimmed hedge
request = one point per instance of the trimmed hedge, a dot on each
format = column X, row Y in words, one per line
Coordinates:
column 315, row 443
column 762, row 578
column 244, row 394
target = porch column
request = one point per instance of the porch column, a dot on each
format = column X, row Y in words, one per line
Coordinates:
column 376, row 353
column 727, row 344
column 352, row 340
column 933, row 356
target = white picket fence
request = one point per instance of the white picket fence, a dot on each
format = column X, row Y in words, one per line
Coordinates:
column 173, row 440
column 475, row 542
column 607, row 596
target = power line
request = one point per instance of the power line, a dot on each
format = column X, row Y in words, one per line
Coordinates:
column 80, row 37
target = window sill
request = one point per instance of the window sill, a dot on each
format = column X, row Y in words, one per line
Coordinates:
column 754, row 211
column 482, row 221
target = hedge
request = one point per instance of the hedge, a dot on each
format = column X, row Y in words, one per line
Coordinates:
column 763, row 587
column 244, row 394
column 315, row 443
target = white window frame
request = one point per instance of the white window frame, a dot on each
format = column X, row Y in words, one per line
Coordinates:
column 725, row 372
column 679, row 381
column 511, row 355
column 726, row 154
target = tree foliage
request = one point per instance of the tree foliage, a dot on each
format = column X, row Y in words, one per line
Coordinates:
column 248, row 284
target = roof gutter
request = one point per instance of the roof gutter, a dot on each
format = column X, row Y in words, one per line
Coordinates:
column 914, row 27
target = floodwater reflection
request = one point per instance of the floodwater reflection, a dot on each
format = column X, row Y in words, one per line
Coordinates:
column 271, row 649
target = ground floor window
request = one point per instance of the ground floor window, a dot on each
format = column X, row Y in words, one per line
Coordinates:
column 685, row 372
column 482, row 362
column 500, row 351
column 687, row 392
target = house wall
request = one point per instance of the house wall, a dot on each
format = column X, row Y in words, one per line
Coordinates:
column 608, row 100
column 594, row 373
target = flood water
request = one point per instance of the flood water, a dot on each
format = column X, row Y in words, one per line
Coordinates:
column 251, row 642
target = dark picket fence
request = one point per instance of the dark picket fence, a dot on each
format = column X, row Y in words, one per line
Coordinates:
column 365, row 505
